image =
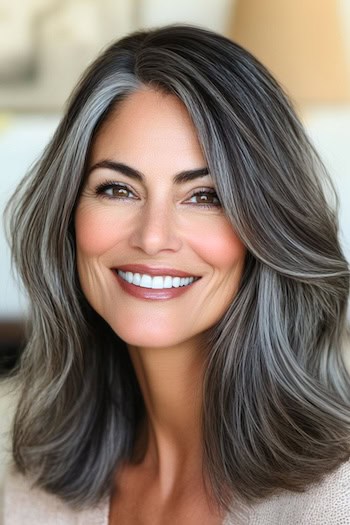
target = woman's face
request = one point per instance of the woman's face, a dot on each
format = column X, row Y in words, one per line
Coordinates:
column 149, row 213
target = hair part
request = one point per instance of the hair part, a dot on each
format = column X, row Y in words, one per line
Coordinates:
column 276, row 405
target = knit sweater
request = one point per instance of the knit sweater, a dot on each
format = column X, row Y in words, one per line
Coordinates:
column 325, row 503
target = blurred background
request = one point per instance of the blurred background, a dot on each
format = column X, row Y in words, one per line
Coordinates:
column 46, row 44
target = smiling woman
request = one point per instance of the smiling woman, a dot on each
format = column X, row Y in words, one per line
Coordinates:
column 185, row 358
column 155, row 221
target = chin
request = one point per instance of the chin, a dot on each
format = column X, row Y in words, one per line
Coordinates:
column 141, row 336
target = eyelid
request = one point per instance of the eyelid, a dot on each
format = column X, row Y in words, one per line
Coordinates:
column 208, row 189
column 110, row 182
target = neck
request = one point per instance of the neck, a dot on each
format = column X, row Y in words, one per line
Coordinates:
column 170, row 438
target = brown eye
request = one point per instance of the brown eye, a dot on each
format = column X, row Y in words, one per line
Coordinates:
column 114, row 191
column 205, row 198
column 118, row 191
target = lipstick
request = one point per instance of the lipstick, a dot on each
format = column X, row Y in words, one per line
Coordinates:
column 149, row 293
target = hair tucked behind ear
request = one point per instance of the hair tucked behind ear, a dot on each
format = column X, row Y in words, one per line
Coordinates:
column 276, row 407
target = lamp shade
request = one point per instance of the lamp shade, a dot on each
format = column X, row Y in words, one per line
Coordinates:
column 302, row 42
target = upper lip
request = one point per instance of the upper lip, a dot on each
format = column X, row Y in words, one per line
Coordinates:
column 151, row 270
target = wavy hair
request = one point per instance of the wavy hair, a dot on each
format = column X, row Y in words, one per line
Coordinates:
column 276, row 402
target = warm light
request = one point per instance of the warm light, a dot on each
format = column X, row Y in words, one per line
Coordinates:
column 302, row 42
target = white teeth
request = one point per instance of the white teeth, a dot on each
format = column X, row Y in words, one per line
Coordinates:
column 176, row 282
column 158, row 282
column 146, row 281
column 168, row 282
column 137, row 279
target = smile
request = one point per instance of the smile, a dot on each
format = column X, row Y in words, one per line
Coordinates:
column 156, row 282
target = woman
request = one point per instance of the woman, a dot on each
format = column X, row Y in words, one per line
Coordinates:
column 188, row 296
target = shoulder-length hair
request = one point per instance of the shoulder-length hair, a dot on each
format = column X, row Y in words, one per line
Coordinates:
column 276, row 402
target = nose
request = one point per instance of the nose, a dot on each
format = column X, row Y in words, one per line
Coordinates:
column 156, row 229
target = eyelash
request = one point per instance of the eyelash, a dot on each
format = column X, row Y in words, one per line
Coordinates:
column 102, row 188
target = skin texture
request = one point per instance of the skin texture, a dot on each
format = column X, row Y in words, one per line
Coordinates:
column 160, row 224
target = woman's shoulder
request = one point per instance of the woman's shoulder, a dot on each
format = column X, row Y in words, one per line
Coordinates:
column 327, row 502
column 23, row 503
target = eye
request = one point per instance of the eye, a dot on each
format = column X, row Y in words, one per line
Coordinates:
column 205, row 197
column 114, row 190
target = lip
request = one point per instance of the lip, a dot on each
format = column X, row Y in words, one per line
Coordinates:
column 150, row 293
column 151, row 270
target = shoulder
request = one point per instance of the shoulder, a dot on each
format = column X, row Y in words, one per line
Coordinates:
column 324, row 502
column 23, row 503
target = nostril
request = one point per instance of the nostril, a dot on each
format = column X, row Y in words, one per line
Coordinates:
column 152, row 240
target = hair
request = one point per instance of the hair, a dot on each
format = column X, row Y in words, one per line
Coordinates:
column 276, row 401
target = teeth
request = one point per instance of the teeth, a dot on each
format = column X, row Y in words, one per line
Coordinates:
column 176, row 282
column 137, row 279
column 158, row 282
column 168, row 282
column 146, row 281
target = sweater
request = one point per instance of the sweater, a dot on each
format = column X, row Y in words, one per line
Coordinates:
column 325, row 503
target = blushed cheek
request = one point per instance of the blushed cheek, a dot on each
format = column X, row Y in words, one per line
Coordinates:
column 94, row 234
column 221, row 247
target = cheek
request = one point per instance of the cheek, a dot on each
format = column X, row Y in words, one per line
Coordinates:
column 220, row 246
column 95, row 232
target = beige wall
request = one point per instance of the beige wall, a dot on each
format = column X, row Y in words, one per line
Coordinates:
column 305, row 43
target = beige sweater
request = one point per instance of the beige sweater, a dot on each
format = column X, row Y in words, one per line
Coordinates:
column 327, row 503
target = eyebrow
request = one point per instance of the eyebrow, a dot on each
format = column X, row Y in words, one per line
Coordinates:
column 179, row 178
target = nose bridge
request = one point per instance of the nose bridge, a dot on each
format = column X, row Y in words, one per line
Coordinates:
column 156, row 228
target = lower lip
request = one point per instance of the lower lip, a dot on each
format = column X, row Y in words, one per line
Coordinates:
column 150, row 293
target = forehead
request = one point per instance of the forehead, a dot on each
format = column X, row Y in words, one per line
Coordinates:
column 149, row 123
